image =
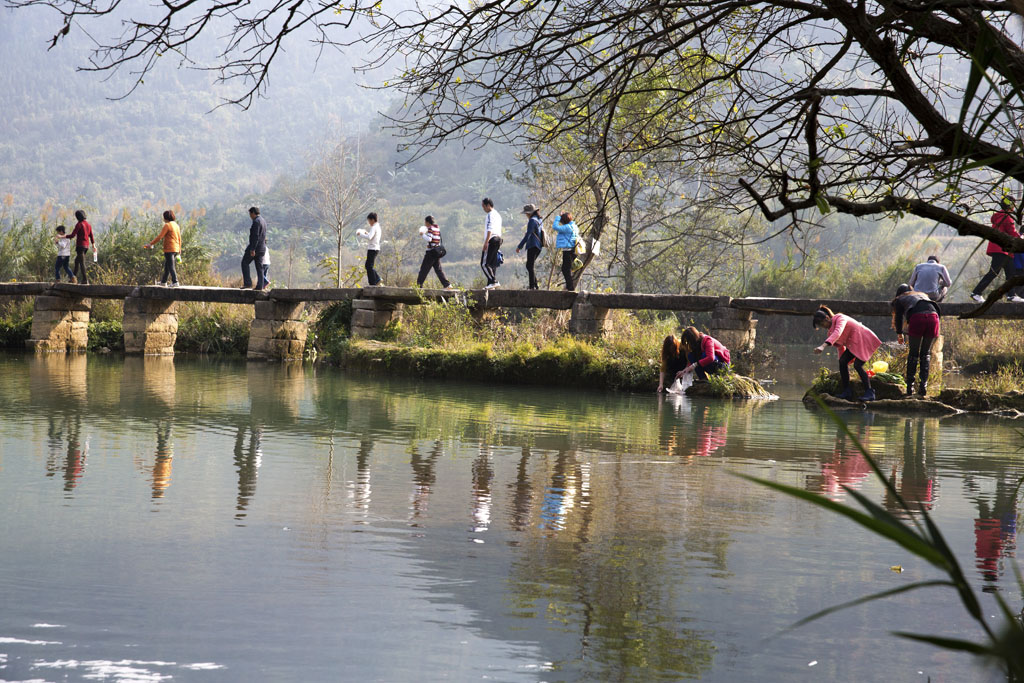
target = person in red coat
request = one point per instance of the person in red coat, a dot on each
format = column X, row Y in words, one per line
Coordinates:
column 705, row 354
column 1002, row 220
column 82, row 234
column 855, row 344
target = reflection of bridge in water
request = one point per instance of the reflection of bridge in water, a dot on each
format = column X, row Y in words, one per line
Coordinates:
column 278, row 331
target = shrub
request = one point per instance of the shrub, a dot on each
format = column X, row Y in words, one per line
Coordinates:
column 213, row 328
column 108, row 334
column 14, row 333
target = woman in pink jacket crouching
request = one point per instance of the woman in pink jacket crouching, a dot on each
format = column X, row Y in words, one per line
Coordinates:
column 854, row 342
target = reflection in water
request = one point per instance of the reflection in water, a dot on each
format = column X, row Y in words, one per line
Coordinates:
column 522, row 494
column 423, row 476
column 995, row 530
column 162, row 463
column 360, row 488
column 483, row 473
column 559, row 497
column 916, row 482
column 247, row 463
column 618, row 546
column 63, row 437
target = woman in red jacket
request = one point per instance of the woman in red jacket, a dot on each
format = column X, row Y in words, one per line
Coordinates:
column 1002, row 220
column 706, row 355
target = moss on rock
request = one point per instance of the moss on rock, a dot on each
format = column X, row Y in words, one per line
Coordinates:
column 728, row 385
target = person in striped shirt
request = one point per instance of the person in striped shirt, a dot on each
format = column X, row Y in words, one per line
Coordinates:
column 431, row 234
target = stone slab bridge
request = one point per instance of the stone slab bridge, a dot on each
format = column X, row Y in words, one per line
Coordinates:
column 61, row 312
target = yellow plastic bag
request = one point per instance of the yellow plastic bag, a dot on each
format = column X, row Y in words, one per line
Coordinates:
column 880, row 366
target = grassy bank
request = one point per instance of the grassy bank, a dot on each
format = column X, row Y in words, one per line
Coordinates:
column 443, row 340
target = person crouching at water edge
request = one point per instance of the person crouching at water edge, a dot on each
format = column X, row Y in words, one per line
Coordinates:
column 922, row 317
column 673, row 362
column 854, row 342
column 705, row 354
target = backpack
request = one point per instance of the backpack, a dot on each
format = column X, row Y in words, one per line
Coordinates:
column 543, row 237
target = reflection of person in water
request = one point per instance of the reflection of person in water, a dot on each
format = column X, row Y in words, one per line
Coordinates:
column 361, row 487
column 162, row 464
column 995, row 531
column 74, row 461
column 483, row 474
column 917, row 485
column 522, row 497
column 710, row 436
column 247, row 462
column 559, row 495
column 423, row 476
column 846, row 467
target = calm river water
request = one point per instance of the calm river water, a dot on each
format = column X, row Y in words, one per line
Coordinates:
column 212, row 521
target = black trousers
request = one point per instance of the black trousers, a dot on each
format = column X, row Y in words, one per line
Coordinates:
column 568, row 256
column 431, row 260
column 372, row 276
column 919, row 349
column 489, row 260
column 80, row 253
column 531, row 261
column 169, row 269
column 702, row 371
column 858, row 365
column 1000, row 262
column 247, row 258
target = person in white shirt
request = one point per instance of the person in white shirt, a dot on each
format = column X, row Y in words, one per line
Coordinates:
column 489, row 255
column 372, row 237
column 266, row 266
column 932, row 278
column 63, row 243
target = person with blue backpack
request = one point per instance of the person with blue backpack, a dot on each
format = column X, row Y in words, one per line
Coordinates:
column 567, row 235
column 533, row 240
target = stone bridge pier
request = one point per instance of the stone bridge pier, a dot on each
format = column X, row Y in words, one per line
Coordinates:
column 370, row 316
column 278, row 332
column 150, row 326
column 734, row 327
column 60, row 324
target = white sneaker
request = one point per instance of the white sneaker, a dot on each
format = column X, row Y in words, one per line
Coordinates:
column 494, row 286
column 450, row 287
column 979, row 298
column 1015, row 299
column 157, row 283
column 174, row 284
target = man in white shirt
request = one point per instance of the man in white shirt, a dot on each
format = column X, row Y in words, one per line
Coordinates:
column 931, row 278
column 492, row 242
column 372, row 237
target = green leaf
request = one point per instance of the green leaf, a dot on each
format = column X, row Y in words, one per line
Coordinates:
column 910, row 542
column 823, row 205
column 868, row 598
column 948, row 643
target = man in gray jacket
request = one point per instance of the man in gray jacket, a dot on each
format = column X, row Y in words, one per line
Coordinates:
column 931, row 278
column 255, row 250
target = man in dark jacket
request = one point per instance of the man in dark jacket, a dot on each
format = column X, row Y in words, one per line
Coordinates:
column 255, row 250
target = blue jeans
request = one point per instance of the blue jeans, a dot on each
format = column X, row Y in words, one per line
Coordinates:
column 702, row 371
column 248, row 258
column 62, row 265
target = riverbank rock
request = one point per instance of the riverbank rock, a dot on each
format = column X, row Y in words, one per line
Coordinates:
column 731, row 386
column 975, row 401
column 905, row 405
column 830, row 385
